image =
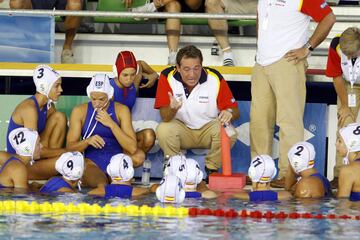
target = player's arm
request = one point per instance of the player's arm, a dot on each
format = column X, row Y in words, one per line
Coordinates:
column 124, row 134
column 29, row 116
column 345, row 182
column 242, row 195
column 140, row 191
column 30, row 119
column 302, row 190
column 148, row 73
column 65, row 190
column 73, row 139
column 99, row 191
column 19, row 175
column 284, row 195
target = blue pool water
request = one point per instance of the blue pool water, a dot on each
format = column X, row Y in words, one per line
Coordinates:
column 115, row 226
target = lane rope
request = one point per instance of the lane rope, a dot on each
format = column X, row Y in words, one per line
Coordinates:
column 24, row 207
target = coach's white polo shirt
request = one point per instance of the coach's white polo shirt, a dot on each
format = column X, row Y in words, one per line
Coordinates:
column 202, row 104
column 283, row 26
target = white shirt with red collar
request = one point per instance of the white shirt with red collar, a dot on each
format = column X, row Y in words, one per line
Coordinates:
column 283, row 26
column 211, row 95
column 338, row 64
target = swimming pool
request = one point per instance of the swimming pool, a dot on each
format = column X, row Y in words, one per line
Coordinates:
column 121, row 226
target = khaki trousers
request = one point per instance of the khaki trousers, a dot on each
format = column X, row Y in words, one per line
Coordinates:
column 355, row 111
column 175, row 136
column 240, row 6
column 278, row 96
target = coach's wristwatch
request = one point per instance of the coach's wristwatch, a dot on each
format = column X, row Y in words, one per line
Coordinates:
column 308, row 46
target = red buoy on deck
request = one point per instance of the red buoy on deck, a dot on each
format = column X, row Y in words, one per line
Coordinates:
column 226, row 180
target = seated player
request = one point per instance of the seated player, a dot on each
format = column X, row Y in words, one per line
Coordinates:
column 71, row 166
column 38, row 113
column 128, row 75
column 348, row 146
column 121, row 171
column 188, row 170
column 170, row 190
column 262, row 171
column 101, row 129
column 310, row 183
column 13, row 172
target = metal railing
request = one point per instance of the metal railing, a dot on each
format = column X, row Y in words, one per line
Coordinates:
column 339, row 18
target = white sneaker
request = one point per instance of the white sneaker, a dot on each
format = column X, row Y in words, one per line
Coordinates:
column 228, row 59
column 228, row 62
column 172, row 58
column 67, row 56
column 148, row 7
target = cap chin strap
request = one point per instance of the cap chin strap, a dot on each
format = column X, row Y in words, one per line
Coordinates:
column 190, row 187
column 86, row 135
column 346, row 159
column 79, row 185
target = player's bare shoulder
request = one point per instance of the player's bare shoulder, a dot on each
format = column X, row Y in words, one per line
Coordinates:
column 121, row 107
column 79, row 110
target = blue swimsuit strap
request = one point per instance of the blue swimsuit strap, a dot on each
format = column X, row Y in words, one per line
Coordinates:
column 8, row 161
column 36, row 102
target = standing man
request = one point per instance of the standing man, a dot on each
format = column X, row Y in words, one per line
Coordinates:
column 278, row 82
column 343, row 66
column 194, row 102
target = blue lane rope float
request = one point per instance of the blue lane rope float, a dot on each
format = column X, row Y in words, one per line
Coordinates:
column 24, row 207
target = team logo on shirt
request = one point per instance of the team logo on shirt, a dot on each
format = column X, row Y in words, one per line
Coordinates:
column 280, row 3
column 323, row 5
column 203, row 99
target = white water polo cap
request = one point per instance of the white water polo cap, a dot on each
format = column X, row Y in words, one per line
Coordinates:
column 23, row 140
column 174, row 164
column 120, row 168
column 351, row 137
column 100, row 83
column 302, row 156
column 190, row 174
column 262, row 169
column 70, row 165
column 170, row 190
column 44, row 78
